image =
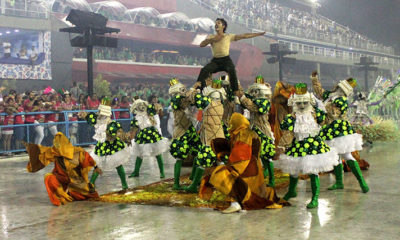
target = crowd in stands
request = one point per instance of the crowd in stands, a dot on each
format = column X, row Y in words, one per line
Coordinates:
column 144, row 56
column 260, row 14
column 270, row 16
column 24, row 8
column 19, row 108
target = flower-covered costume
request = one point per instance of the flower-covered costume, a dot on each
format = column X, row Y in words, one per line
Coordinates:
column 307, row 153
column 148, row 141
column 110, row 151
column 338, row 132
column 185, row 139
column 259, row 106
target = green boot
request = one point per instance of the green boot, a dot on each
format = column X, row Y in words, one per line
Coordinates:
column 270, row 167
column 265, row 165
column 193, row 170
column 122, row 176
column 315, row 191
column 138, row 163
column 338, row 170
column 94, row 177
column 355, row 169
column 292, row 188
column 92, row 181
column 177, row 175
column 160, row 165
column 196, row 181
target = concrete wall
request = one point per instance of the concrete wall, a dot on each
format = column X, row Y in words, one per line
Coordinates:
column 61, row 55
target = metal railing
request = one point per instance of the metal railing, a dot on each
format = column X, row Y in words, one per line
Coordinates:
column 304, row 33
column 79, row 132
column 339, row 53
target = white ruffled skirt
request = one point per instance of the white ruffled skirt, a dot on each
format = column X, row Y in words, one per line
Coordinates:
column 149, row 149
column 110, row 162
column 309, row 164
column 346, row 144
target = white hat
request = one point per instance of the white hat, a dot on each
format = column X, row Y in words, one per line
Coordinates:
column 346, row 87
column 104, row 110
column 264, row 88
column 138, row 102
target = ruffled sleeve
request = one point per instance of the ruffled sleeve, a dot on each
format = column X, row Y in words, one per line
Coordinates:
column 288, row 123
column 320, row 115
column 263, row 105
column 151, row 110
column 176, row 102
column 113, row 127
column 342, row 104
column 91, row 118
column 325, row 95
column 201, row 101
column 134, row 123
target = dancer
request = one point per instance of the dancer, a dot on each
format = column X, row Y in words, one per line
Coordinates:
column 361, row 116
column 259, row 105
column 220, row 44
column 229, row 104
column 185, row 139
column 211, row 128
column 148, row 141
column 69, row 179
column 307, row 153
column 279, row 107
column 241, row 178
column 338, row 132
column 111, row 150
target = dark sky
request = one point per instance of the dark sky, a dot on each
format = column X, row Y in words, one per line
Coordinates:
column 377, row 19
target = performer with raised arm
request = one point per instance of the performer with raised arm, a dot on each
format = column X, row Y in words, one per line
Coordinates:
column 338, row 132
column 111, row 151
column 185, row 139
column 148, row 141
column 258, row 103
column 220, row 44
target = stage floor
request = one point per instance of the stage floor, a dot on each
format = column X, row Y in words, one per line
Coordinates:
column 26, row 212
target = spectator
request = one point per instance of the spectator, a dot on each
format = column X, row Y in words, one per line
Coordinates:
column 115, row 105
column 38, row 106
column 93, row 102
column 8, row 132
column 75, row 90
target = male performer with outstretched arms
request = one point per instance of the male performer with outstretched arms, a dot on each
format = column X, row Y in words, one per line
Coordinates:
column 220, row 43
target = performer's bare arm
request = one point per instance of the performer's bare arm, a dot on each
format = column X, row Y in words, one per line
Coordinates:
column 248, row 35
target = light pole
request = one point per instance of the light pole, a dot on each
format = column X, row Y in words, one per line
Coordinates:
column 366, row 65
column 279, row 51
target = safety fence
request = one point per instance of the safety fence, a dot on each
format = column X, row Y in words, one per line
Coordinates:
column 77, row 130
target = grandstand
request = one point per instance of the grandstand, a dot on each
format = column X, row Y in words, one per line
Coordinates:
column 142, row 54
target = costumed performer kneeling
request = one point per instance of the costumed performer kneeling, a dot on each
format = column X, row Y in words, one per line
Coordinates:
column 242, row 176
column 69, row 179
